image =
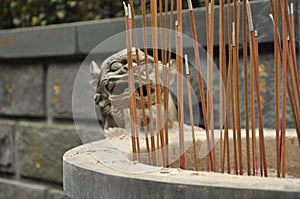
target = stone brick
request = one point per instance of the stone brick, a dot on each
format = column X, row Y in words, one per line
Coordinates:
column 7, row 160
column 12, row 189
column 60, row 91
column 60, row 83
column 41, row 147
column 57, row 194
column 269, row 95
column 22, row 90
column 52, row 40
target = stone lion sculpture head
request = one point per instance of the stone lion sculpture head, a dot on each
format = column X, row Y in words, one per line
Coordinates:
column 110, row 83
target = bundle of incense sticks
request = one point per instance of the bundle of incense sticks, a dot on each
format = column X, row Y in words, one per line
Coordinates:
column 157, row 139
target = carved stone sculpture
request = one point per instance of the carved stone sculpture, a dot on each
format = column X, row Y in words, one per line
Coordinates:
column 110, row 82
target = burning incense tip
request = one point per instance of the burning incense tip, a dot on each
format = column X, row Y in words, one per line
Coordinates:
column 292, row 8
column 176, row 26
column 190, row 5
column 129, row 11
column 271, row 16
column 255, row 33
column 125, row 9
column 249, row 14
column 186, row 64
column 209, row 8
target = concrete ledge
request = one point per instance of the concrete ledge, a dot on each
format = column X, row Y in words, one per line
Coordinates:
column 21, row 189
column 86, row 177
column 38, row 41
column 82, row 37
column 14, row 189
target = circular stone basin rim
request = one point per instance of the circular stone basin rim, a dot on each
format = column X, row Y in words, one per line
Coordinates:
column 84, row 174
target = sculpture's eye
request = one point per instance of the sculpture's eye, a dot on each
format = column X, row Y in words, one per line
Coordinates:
column 124, row 61
column 115, row 66
column 97, row 98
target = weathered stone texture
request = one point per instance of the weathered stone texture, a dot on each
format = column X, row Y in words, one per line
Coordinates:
column 60, row 83
column 7, row 154
column 10, row 189
column 57, row 194
column 267, row 92
column 38, row 41
column 22, row 90
column 41, row 147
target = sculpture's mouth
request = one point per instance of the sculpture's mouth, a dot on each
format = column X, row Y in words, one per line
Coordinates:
column 119, row 93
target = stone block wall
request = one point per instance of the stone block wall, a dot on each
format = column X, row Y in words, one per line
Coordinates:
column 37, row 71
column 36, row 127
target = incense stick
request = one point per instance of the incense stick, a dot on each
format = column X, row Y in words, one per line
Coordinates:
column 259, row 108
column 166, row 82
column 148, row 88
column 230, row 50
column 191, row 109
column 245, row 56
column 293, row 79
column 221, row 68
column 179, row 65
column 252, row 100
column 199, row 72
column 131, row 22
column 130, row 81
column 284, row 84
column 227, row 103
column 209, row 36
column 289, row 26
column 162, row 51
column 236, row 83
column 256, row 65
column 233, row 110
column 277, row 46
column 156, row 71
column 211, row 43
column 140, row 80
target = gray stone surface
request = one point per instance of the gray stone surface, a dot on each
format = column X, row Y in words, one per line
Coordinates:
column 10, row 189
column 267, row 85
column 61, row 84
column 22, row 90
column 54, row 40
column 41, row 147
column 84, row 177
column 60, row 81
column 7, row 153
column 57, row 194
column 91, row 34
column 267, row 93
